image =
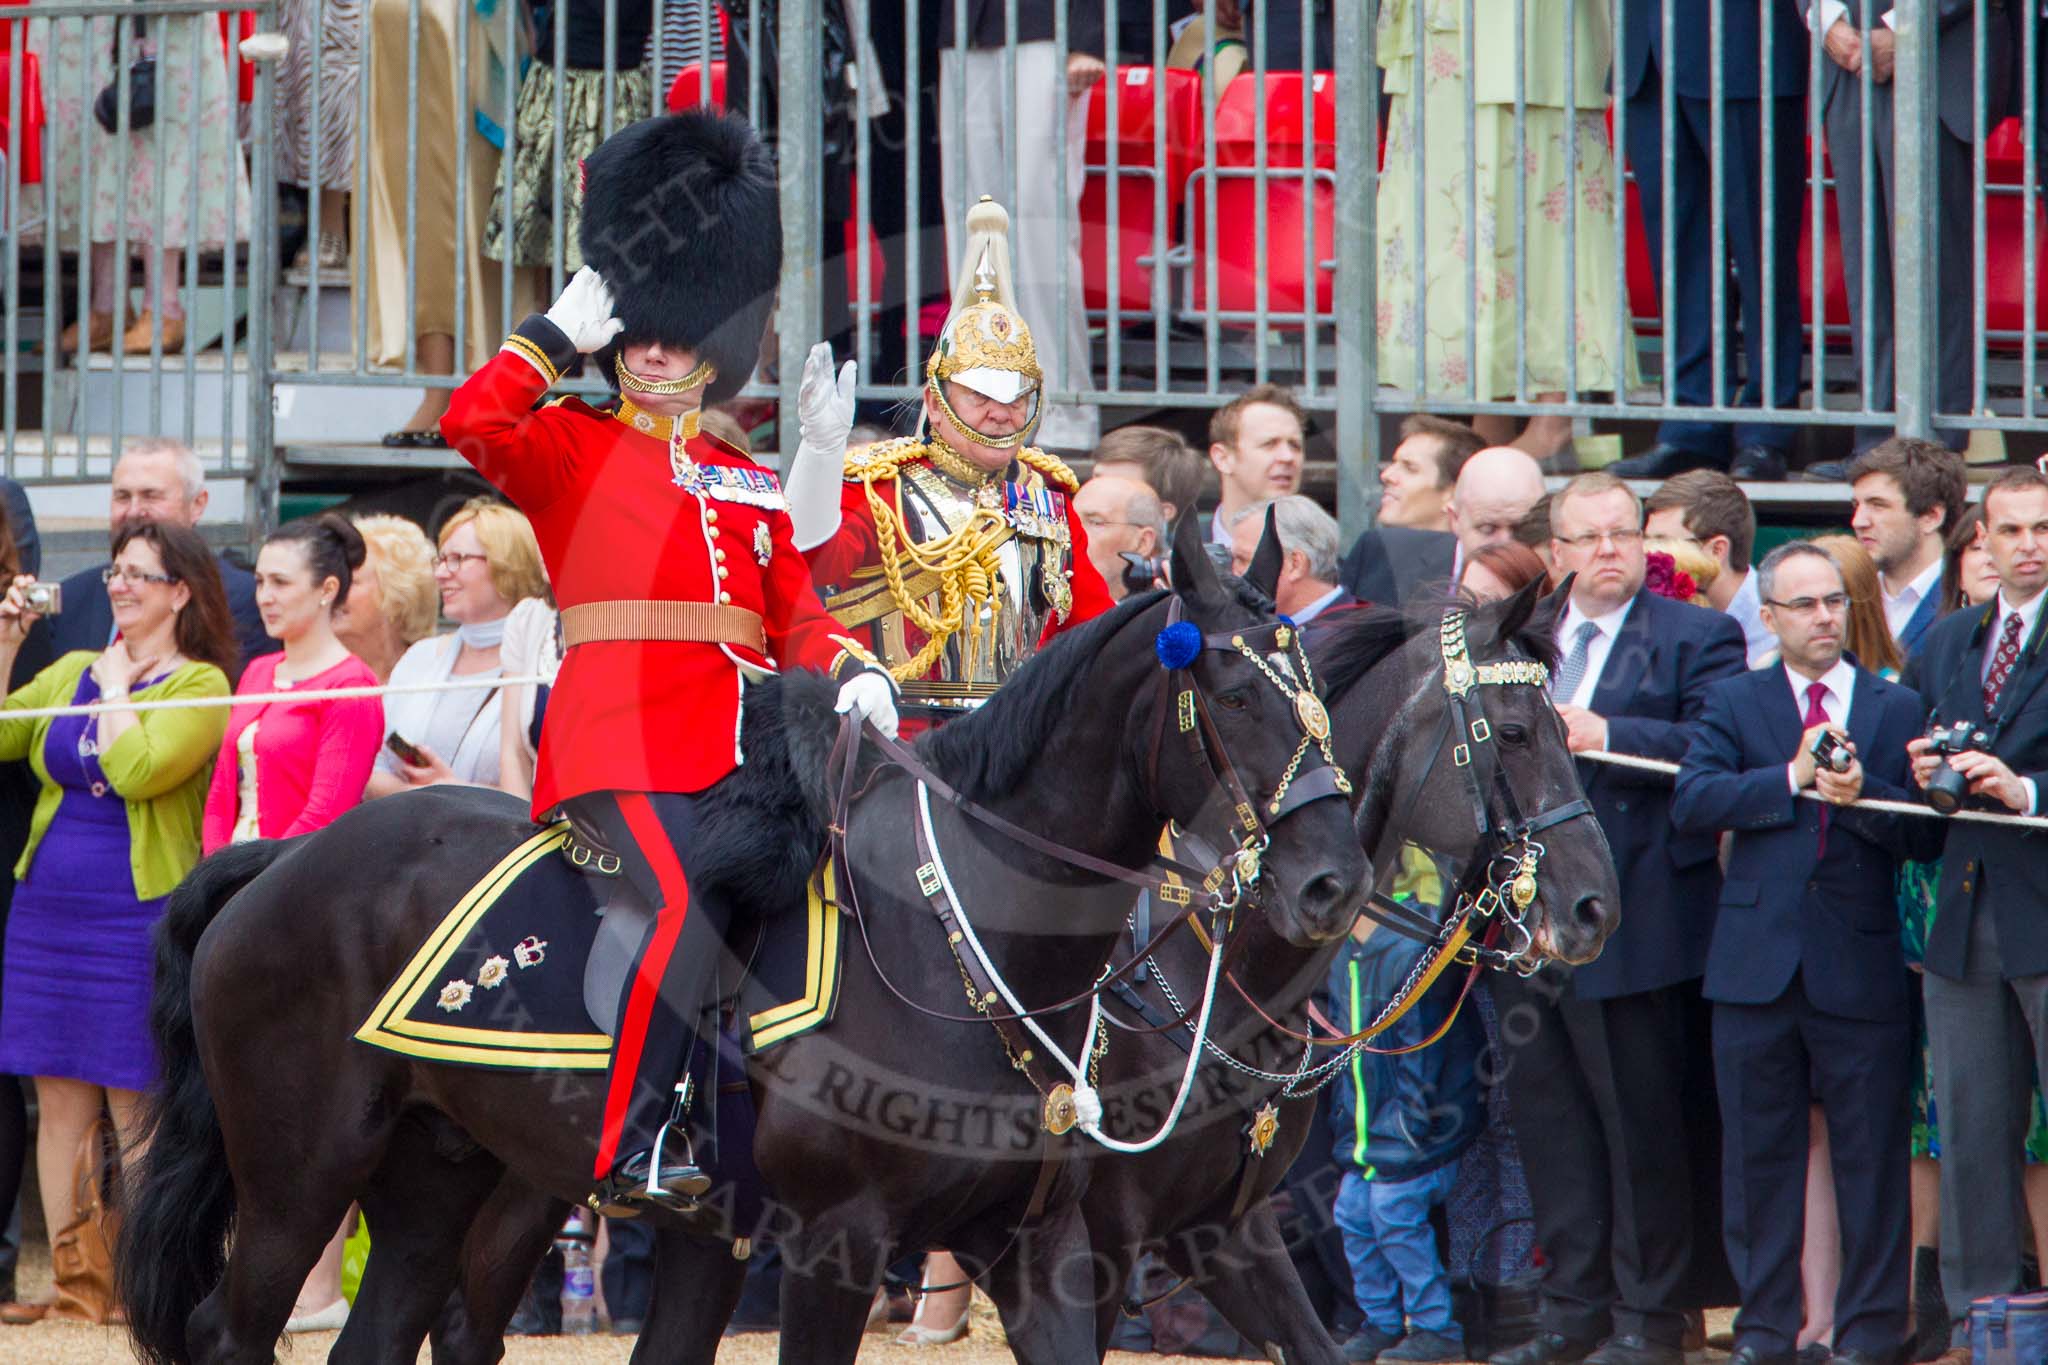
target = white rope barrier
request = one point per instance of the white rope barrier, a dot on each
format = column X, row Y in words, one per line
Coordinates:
column 1982, row 817
column 261, row 698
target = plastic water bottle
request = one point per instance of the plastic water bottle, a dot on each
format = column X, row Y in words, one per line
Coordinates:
column 578, row 1241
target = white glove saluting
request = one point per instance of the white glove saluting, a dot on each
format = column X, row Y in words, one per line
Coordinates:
column 584, row 312
column 824, row 409
column 869, row 695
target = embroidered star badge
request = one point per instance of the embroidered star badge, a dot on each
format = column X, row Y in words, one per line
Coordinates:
column 455, row 995
column 493, row 973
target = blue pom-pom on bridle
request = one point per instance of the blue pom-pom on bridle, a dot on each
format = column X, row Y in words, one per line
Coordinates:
column 1179, row 644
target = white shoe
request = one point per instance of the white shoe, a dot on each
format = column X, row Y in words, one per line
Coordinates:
column 329, row 1319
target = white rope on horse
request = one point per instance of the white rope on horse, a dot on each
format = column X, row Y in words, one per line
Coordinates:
column 1982, row 817
column 260, row 698
column 1087, row 1100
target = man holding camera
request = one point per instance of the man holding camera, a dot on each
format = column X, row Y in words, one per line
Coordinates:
column 1987, row 949
column 1805, row 970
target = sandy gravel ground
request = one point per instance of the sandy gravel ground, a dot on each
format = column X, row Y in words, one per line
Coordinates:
column 57, row 1343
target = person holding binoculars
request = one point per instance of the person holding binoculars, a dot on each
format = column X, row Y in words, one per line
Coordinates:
column 1981, row 673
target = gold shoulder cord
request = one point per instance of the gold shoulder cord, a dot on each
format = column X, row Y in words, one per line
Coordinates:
column 965, row 558
column 1052, row 466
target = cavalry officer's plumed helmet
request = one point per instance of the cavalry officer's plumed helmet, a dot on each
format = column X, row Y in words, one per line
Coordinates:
column 682, row 218
column 985, row 345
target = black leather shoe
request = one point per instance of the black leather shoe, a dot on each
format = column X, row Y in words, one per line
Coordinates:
column 1757, row 1355
column 1853, row 1357
column 1661, row 462
column 1826, row 471
column 627, row 1190
column 1550, row 1348
column 1757, row 464
column 1628, row 1349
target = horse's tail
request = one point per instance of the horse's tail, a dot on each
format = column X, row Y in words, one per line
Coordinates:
column 176, row 1212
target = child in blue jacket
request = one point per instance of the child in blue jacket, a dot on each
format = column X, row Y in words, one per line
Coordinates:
column 1401, row 1124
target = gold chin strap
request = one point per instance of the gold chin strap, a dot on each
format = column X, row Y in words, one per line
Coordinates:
column 1014, row 439
column 703, row 373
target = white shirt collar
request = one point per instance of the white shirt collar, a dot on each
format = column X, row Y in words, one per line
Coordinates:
column 1916, row 591
column 1840, row 682
column 1610, row 622
column 1317, row 607
column 2028, row 614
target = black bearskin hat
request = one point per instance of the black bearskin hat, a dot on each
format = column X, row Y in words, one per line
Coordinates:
column 682, row 218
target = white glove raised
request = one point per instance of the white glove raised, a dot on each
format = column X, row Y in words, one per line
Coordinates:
column 824, row 407
column 584, row 312
column 825, row 416
column 869, row 695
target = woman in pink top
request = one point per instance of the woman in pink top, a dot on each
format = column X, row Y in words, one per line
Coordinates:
column 288, row 767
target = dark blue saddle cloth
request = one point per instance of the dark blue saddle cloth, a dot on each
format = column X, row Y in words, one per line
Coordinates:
column 499, row 983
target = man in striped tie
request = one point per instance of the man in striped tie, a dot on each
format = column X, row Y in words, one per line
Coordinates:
column 1986, row 963
column 1608, row 1061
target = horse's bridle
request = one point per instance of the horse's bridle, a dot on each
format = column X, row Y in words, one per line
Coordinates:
column 1501, row 883
column 1251, row 822
column 1217, row 892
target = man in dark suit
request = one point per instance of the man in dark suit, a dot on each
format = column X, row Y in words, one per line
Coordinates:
column 1806, row 970
column 155, row 479
column 1495, row 489
column 1760, row 449
column 1307, row 591
column 1986, row 964
column 1846, row 66
column 1597, row 1056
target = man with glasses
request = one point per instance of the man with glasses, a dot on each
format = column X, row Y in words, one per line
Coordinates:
column 1123, row 517
column 1806, row 970
column 1986, row 963
column 156, row 479
column 1600, row 1058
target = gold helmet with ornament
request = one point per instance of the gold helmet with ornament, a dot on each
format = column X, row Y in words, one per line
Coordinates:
column 985, row 345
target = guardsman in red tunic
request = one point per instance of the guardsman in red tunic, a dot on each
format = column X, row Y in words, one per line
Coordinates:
column 671, row 556
column 956, row 553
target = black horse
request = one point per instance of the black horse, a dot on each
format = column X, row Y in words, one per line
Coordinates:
column 270, row 1119
column 1200, row 1199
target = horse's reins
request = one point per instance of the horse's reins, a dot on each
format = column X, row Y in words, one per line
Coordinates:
column 1171, row 880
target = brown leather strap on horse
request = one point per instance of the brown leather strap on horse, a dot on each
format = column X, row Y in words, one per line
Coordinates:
column 698, row 622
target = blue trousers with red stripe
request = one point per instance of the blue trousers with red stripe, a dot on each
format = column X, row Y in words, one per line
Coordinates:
column 664, row 998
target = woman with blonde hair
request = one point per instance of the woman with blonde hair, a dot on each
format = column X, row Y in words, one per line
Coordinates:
column 488, row 563
column 1868, row 637
column 392, row 602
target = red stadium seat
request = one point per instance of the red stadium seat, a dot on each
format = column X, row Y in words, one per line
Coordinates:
column 1238, row 265
column 31, row 150
column 1301, row 132
column 1288, row 122
column 1146, row 155
column 685, row 92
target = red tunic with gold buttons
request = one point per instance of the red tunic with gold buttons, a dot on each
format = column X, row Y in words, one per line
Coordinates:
column 618, row 519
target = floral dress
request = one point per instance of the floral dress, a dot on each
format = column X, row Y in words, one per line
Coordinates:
column 1433, row 175
column 192, row 92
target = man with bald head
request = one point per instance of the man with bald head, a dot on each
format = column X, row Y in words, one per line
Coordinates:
column 1495, row 490
column 1123, row 516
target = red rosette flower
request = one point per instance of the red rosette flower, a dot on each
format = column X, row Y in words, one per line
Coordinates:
column 1661, row 575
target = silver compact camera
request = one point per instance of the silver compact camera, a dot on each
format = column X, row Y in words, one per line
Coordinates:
column 44, row 599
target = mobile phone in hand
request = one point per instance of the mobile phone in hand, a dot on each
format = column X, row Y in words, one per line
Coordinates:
column 407, row 751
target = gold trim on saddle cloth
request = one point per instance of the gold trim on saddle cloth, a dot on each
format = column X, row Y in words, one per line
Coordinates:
column 390, row 1028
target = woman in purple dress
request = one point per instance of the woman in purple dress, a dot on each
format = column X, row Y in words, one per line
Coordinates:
column 116, row 826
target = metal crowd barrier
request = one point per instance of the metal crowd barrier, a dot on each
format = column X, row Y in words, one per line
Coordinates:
column 1219, row 234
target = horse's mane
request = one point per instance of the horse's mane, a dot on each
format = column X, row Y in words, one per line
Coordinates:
column 1355, row 642
column 988, row 751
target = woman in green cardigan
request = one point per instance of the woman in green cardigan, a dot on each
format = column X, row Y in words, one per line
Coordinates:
column 116, row 826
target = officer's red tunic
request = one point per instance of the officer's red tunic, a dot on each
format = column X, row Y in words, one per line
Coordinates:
column 638, row 716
